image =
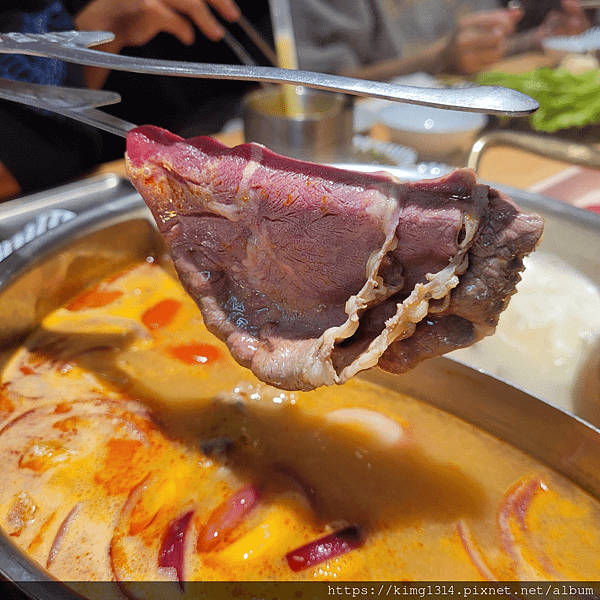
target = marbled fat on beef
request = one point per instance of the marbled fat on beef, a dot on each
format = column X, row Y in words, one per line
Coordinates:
column 311, row 274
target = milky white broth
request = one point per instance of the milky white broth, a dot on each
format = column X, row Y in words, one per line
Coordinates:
column 548, row 329
column 126, row 430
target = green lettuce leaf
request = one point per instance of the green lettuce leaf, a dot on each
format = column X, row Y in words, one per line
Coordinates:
column 566, row 99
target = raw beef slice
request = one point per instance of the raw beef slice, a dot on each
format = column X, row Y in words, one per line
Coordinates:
column 311, row 274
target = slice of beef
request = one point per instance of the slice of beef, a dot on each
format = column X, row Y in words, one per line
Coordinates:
column 311, row 274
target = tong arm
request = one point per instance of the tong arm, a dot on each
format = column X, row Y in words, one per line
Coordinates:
column 71, row 46
column 76, row 103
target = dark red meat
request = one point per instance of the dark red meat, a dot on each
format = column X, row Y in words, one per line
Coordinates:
column 311, row 273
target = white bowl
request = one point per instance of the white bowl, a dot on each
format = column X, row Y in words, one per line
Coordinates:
column 435, row 133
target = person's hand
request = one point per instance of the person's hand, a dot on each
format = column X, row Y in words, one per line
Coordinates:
column 136, row 22
column 569, row 20
column 481, row 39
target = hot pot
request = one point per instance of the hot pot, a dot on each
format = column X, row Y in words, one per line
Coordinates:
column 54, row 244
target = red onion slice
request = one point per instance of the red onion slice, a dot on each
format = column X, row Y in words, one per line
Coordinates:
column 324, row 548
column 171, row 552
column 514, row 508
column 122, row 528
column 228, row 515
column 473, row 551
column 60, row 534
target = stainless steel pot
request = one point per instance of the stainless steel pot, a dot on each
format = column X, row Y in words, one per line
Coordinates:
column 107, row 226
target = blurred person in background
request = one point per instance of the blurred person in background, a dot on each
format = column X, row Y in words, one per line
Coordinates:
column 380, row 39
column 39, row 150
column 557, row 17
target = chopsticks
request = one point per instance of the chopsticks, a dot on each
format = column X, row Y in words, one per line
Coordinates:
column 258, row 40
column 239, row 50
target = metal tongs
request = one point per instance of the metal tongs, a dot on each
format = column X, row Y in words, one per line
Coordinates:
column 77, row 103
column 73, row 47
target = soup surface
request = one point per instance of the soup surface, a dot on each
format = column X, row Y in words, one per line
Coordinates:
column 545, row 334
column 135, row 448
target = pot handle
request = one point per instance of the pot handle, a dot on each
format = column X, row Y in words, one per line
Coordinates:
column 572, row 152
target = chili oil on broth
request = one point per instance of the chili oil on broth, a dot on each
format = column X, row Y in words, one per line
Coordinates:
column 131, row 437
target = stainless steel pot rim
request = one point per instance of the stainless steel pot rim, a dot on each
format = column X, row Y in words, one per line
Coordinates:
column 98, row 216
